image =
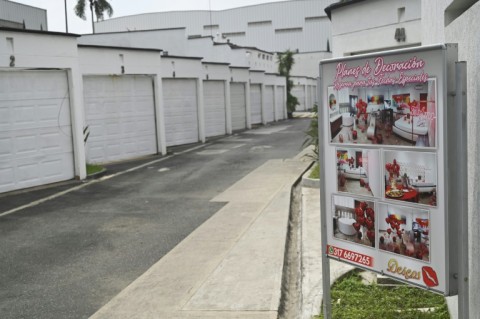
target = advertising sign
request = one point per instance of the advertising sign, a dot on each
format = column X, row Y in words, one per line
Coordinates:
column 383, row 120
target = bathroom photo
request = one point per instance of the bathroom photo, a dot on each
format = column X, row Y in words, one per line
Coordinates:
column 357, row 171
column 411, row 177
column 404, row 231
column 354, row 220
column 385, row 115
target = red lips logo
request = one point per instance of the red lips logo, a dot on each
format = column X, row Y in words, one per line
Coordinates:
column 429, row 276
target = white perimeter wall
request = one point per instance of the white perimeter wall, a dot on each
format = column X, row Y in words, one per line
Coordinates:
column 461, row 31
column 464, row 31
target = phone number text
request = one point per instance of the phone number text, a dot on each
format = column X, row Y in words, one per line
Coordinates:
column 350, row 256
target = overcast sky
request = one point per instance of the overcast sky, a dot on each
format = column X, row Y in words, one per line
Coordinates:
column 56, row 10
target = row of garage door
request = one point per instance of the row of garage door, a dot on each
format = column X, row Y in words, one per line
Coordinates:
column 306, row 96
column 36, row 145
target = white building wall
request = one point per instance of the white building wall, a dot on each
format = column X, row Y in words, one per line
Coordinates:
column 307, row 64
column 203, row 47
column 101, row 61
column 172, row 40
column 175, row 42
column 216, row 52
column 370, row 26
column 34, row 18
column 260, row 60
column 264, row 25
column 432, row 20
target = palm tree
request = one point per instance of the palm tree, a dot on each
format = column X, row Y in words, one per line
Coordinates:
column 285, row 64
column 97, row 6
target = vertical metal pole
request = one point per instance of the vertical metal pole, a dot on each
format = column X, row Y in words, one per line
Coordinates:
column 327, row 304
column 66, row 18
column 210, row 11
column 461, row 125
column 93, row 21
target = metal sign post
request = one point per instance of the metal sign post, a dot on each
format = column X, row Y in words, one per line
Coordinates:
column 460, row 147
column 327, row 304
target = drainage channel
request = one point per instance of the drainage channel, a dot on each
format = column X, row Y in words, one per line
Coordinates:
column 291, row 296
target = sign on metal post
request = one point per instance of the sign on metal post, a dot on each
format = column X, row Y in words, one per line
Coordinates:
column 387, row 199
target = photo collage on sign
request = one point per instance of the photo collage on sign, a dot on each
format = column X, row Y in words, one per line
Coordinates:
column 385, row 142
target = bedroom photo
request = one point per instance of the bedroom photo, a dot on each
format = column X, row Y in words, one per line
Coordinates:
column 354, row 220
column 357, row 171
column 404, row 231
column 386, row 115
column 411, row 177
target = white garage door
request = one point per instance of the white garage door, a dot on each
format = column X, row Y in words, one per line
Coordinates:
column 180, row 109
column 269, row 100
column 35, row 129
column 299, row 92
column 239, row 106
column 280, row 103
column 256, row 103
column 309, row 97
column 215, row 109
column 120, row 114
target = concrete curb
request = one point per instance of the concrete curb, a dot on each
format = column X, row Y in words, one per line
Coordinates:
column 310, row 182
column 97, row 174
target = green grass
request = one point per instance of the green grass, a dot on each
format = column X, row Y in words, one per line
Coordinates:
column 315, row 173
column 351, row 299
column 92, row 169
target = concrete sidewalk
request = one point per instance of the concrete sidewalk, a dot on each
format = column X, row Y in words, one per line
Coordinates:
column 312, row 283
column 229, row 267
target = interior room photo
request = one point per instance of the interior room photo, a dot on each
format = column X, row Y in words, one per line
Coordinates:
column 404, row 231
column 389, row 115
column 357, row 172
column 411, row 177
column 354, row 220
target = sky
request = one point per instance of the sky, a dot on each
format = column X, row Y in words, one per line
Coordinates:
column 56, row 10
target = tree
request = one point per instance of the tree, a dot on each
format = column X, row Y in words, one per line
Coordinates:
column 97, row 6
column 285, row 64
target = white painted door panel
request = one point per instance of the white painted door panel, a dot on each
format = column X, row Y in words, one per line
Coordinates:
column 239, row 106
column 299, row 92
column 215, row 108
column 181, row 111
column 269, row 100
column 280, row 103
column 35, row 129
column 120, row 113
column 256, row 103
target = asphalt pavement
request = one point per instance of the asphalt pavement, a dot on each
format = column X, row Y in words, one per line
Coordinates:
column 68, row 250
